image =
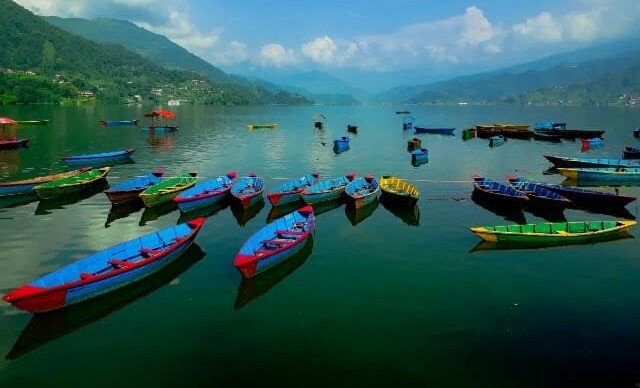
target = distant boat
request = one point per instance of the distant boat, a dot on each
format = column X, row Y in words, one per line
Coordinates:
column 419, row 156
column 261, row 126
column 101, row 159
column 403, row 112
column 636, row 132
column 130, row 189
column 469, row 134
column 506, row 130
column 115, row 123
column 544, row 135
column 25, row 187
column 71, row 184
column 564, row 161
column 630, row 153
column 363, row 190
column 605, row 174
column 33, row 122
column 497, row 140
column 561, row 129
column 438, row 130
column 352, row 128
column 11, row 141
column 341, row 144
column 592, row 143
column 407, row 122
column 162, row 120
column 414, row 144
column 318, row 121
column 206, row 193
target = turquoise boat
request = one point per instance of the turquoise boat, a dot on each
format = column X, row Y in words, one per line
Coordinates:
column 326, row 190
column 100, row 159
column 363, row 191
column 289, row 192
column 611, row 174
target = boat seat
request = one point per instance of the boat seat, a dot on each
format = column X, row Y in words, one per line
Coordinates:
column 178, row 240
column 271, row 244
column 289, row 232
column 85, row 276
column 120, row 263
column 146, row 252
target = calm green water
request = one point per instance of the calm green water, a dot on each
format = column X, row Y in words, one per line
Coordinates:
column 379, row 297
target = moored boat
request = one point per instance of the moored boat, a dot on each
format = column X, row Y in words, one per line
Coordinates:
column 71, row 184
column 438, row 130
column 275, row 242
column 636, row 133
column 341, row 142
column 248, row 190
column 25, row 186
column 539, row 195
column 162, row 120
column 130, row 189
column 352, row 128
column 398, row 190
column 165, row 190
column 205, row 193
column 498, row 193
column 414, row 144
column 363, row 190
column 289, row 191
column 544, row 135
column 327, row 190
column 33, row 122
column 419, row 156
column 105, row 271
column 497, row 140
column 407, row 122
column 608, row 174
column 592, row 143
column 10, row 141
column 561, row 129
column 262, row 126
column 553, row 233
column 630, row 153
column 7, row 144
column 101, row 159
column 115, row 123
column 508, row 130
column 564, row 161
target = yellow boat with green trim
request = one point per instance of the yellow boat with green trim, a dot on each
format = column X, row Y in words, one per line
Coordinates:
column 165, row 191
column 398, row 190
column 261, row 126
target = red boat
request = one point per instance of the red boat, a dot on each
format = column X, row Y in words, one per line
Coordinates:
column 11, row 142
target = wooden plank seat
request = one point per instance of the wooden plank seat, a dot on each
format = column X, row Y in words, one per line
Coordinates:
column 119, row 263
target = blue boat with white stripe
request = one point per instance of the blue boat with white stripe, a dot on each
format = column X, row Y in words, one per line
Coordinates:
column 326, row 190
column 206, row 193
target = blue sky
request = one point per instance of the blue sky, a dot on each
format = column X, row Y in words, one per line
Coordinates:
column 379, row 36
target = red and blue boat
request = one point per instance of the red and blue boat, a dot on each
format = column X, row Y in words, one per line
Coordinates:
column 328, row 190
column 497, row 193
column 101, row 159
column 289, row 192
column 11, row 141
column 105, row 271
column 248, row 190
column 419, row 156
column 539, row 195
column 116, row 123
column 363, row 191
column 130, row 190
column 275, row 242
column 205, row 193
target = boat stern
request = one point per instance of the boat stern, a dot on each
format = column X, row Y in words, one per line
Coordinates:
column 36, row 299
column 483, row 233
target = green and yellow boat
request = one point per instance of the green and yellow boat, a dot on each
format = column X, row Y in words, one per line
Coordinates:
column 553, row 233
column 165, row 191
column 71, row 184
column 261, row 126
column 398, row 190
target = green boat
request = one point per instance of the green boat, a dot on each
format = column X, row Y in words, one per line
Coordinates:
column 167, row 189
column 553, row 233
column 72, row 184
column 33, row 122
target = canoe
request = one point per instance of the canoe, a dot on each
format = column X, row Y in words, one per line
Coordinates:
column 363, row 190
column 413, row 144
column 100, row 159
column 563, row 161
column 611, row 174
column 440, row 130
column 261, row 126
column 588, row 198
column 33, row 122
column 165, row 190
column 327, row 190
column 24, row 187
column 289, row 192
column 514, row 127
column 248, row 190
column 105, row 271
column 595, row 142
column 419, row 156
column 352, row 128
column 543, row 135
column 403, row 112
column 205, row 193
column 398, row 190
column 341, row 142
column 561, row 129
column 497, row 140
column 553, row 233
column 275, row 242
column 115, row 123
column 508, row 130
column 130, row 190
column 7, row 144
column 71, row 184
column 159, row 128
column 630, row 153
column 498, row 193
column 539, row 195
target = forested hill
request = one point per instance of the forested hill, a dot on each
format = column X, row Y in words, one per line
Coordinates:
column 42, row 63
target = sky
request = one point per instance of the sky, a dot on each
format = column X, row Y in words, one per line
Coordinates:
column 378, row 36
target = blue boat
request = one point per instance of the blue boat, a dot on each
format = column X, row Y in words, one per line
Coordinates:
column 275, row 242
column 101, row 159
column 540, row 195
column 363, row 191
column 592, row 143
column 497, row 193
column 497, row 140
column 115, row 123
column 439, row 130
column 605, row 174
column 419, row 156
column 159, row 128
column 342, row 141
column 129, row 190
column 105, row 271
column 545, row 135
column 205, row 193
column 564, row 161
column 328, row 190
column 289, row 192
column 630, row 153
column 248, row 190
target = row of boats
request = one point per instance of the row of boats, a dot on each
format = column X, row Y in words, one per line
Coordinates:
column 610, row 170
column 541, row 130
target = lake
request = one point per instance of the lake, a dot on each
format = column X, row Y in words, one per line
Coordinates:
column 378, row 297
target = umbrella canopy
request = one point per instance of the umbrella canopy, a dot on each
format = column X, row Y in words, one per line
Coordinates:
column 7, row 120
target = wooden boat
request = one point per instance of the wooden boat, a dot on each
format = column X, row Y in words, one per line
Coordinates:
column 363, row 191
column 561, row 129
column 564, row 161
column 328, row 190
column 318, row 121
column 539, row 195
column 403, row 112
column 248, row 190
column 508, row 130
column 165, row 190
column 243, row 215
column 356, row 215
column 275, row 242
column 419, row 156
column 71, row 184
column 496, row 192
column 439, row 130
column 352, row 128
column 261, row 126
column 25, row 187
column 206, row 193
column 162, row 120
column 608, row 174
column 398, row 190
column 289, row 192
column 105, row 271
column 630, row 153
column 10, row 141
column 8, row 144
column 497, row 140
column 99, row 159
column 414, row 144
column 592, row 143
column 33, row 122
column 587, row 198
column 130, row 190
column 469, row 134
column 544, row 135
column 115, row 123
column 553, row 233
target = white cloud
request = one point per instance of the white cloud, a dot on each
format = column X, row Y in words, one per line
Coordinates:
column 542, row 28
column 181, row 30
column 234, row 52
column 274, row 54
column 326, row 51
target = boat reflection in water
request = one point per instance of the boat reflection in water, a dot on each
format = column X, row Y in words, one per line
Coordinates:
column 17, row 200
column 153, row 213
column 281, row 211
column 250, row 289
column 323, row 207
column 161, row 139
column 358, row 215
column 47, row 205
column 408, row 215
column 608, row 183
column 244, row 215
column 47, row 327
column 122, row 211
column 505, row 210
column 504, row 246
column 206, row 212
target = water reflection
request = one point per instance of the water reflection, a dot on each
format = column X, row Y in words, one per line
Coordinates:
column 506, row 211
column 47, row 327
column 408, row 215
column 122, row 211
column 358, row 215
column 244, row 215
column 281, row 211
column 607, row 183
column 45, row 206
column 17, row 200
column 250, row 289
column 208, row 211
column 161, row 140
column 323, row 207
column 493, row 246
column 153, row 213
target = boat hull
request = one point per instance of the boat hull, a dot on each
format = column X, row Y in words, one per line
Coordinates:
column 329, row 195
column 98, row 160
column 561, row 161
column 160, row 128
column 279, row 199
column 188, row 206
column 602, row 174
column 122, row 197
column 50, row 191
column 13, row 143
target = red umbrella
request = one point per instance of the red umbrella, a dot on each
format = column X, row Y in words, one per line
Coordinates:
column 7, row 120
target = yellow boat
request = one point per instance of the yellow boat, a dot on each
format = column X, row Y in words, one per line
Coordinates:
column 261, row 126
column 398, row 190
